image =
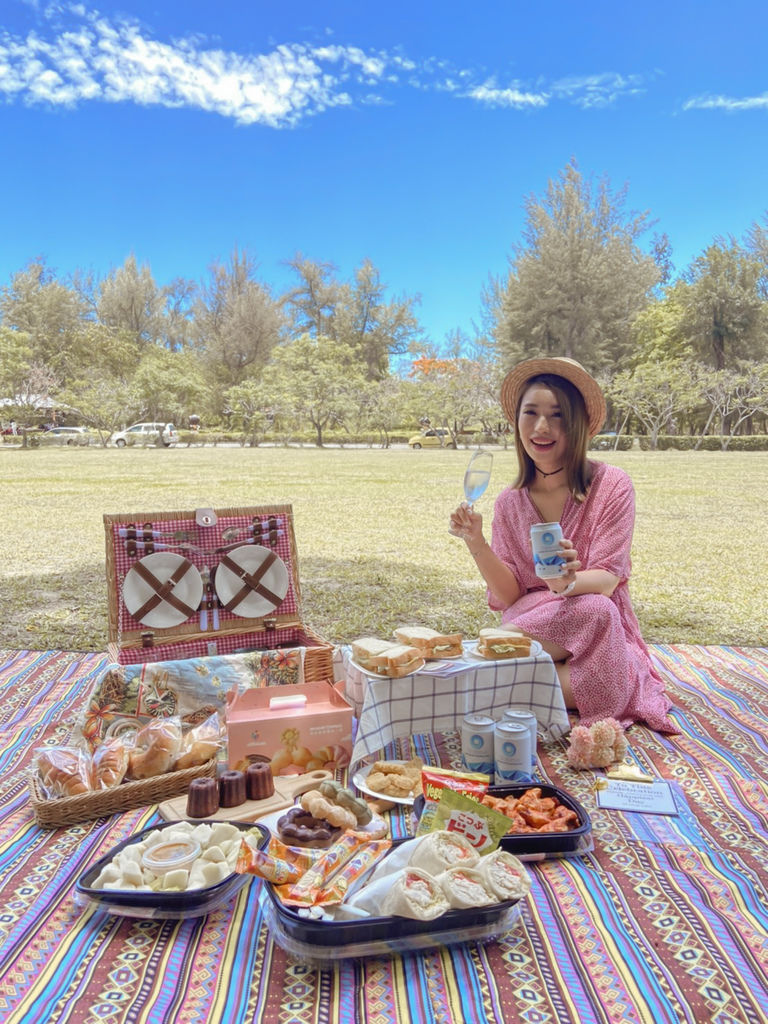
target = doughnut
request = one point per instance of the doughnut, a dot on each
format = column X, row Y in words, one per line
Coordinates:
column 297, row 827
column 346, row 798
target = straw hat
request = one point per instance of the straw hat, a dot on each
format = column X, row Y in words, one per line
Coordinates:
column 515, row 381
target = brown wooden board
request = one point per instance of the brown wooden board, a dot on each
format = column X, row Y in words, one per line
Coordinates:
column 287, row 788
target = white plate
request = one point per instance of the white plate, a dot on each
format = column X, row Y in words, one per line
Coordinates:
column 249, row 558
column 162, row 565
column 358, row 780
column 536, row 650
column 381, row 675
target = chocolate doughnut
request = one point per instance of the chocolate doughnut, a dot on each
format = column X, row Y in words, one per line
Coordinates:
column 231, row 789
column 202, row 798
column 259, row 782
column 297, row 827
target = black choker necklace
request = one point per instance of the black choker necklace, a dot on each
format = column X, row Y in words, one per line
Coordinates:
column 553, row 473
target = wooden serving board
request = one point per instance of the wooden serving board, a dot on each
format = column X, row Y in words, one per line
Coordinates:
column 287, row 788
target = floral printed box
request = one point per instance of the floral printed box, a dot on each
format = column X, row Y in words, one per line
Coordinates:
column 297, row 729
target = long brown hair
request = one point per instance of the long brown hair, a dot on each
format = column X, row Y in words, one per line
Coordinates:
column 575, row 426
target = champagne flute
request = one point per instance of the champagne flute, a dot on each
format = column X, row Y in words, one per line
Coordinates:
column 476, row 478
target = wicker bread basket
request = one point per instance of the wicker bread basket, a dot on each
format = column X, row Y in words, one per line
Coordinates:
column 61, row 812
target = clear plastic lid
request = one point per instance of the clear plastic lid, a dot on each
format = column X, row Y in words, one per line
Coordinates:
column 170, row 855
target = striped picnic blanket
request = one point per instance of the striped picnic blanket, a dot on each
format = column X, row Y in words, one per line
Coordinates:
column 666, row 921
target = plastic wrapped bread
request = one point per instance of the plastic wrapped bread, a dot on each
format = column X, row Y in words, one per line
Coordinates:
column 465, row 888
column 414, row 893
column 441, row 850
column 504, row 875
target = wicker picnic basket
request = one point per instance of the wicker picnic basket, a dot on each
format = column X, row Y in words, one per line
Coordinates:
column 201, row 536
column 61, row 812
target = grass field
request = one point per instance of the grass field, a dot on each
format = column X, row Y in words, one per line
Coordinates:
column 371, row 529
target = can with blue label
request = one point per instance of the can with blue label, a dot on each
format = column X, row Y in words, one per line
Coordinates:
column 547, row 554
column 477, row 741
column 512, row 752
column 528, row 719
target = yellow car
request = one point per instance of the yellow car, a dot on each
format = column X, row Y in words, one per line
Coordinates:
column 430, row 439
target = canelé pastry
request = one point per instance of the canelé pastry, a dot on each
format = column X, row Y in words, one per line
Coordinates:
column 259, row 783
column 298, row 827
column 231, row 788
column 202, row 798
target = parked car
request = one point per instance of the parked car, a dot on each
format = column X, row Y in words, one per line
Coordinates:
column 145, row 434
column 67, row 435
column 436, row 438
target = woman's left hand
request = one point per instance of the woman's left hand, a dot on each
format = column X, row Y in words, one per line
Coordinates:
column 572, row 564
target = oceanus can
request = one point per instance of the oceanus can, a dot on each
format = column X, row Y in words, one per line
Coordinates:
column 512, row 752
column 547, row 553
column 477, row 739
column 528, row 719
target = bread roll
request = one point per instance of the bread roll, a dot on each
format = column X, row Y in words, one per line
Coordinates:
column 157, row 746
column 65, row 771
column 110, row 763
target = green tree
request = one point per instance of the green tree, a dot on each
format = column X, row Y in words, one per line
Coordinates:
column 656, row 393
column 577, row 279
column 724, row 315
column 237, row 323
column 317, row 379
column 357, row 313
column 130, row 300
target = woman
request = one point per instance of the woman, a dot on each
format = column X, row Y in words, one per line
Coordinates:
column 583, row 619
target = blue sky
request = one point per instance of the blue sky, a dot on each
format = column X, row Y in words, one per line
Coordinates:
column 407, row 133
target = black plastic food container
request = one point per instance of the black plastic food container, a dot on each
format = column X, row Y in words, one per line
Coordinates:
column 191, row 903
column 323, row 942
column 534, row 845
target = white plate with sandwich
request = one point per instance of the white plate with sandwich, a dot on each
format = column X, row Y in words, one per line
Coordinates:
column 501, row 645
column 434, row 646
column 385, row 659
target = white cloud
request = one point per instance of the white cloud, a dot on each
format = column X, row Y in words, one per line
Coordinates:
column 86, row 57
column 492, row 96
column 727, row 103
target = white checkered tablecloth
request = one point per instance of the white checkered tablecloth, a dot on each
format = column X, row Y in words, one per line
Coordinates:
column 427, row 702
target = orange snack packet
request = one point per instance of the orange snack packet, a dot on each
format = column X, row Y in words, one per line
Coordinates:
column 278, row 864
column 354, row 868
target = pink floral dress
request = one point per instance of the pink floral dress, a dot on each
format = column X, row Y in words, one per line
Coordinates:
column 611, row 672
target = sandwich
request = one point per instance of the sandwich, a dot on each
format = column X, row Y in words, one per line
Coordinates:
column 367, row 648
column 503, row 643
column 465, row 888
column 397, row 661
column 504, row 875
column 442, row 849
column 415, row 894
column 431, row 643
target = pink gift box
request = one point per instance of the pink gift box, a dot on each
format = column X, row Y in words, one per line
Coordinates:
column 296, row 728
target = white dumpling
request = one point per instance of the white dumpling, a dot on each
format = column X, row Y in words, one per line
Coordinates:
column 177, row 879
column 222, row 831
column 215, row 854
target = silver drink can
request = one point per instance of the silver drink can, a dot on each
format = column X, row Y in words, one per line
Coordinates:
column 529, row 719
column 477, row 739
column 512, row 752
column 547, row 553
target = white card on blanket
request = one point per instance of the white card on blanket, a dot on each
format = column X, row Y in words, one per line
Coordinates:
column 645, row 797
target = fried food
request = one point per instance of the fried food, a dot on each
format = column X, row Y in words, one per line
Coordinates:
column 532, row 812
column 396, row 778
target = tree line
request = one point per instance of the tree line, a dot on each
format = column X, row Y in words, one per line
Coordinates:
column 676, row 352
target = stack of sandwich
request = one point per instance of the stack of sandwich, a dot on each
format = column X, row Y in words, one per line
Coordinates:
column 503, row 643
column 413, row 646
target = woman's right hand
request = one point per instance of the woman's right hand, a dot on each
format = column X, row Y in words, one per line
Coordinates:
column 467, row 524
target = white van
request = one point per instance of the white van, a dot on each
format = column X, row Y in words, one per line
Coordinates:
column 141, row 434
